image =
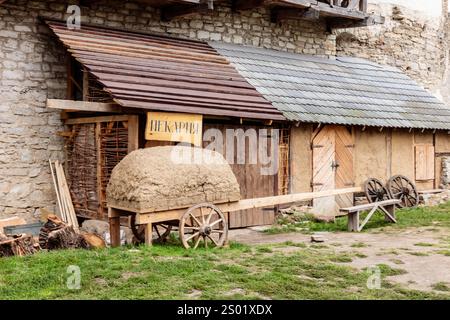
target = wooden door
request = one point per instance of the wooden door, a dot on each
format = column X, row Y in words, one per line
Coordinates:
column 344, row 173
column 253, row 184
column 332, row 168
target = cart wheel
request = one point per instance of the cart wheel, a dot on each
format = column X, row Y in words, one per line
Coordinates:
column 203, row 222
column 400, row 187
column 160, row 231
column 375, row 190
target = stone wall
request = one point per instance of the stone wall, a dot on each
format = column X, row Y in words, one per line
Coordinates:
column 32, row 69
column 410, row 40
column 445, row 179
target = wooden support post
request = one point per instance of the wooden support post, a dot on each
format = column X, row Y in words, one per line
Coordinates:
column 98, row 144
column 353, row 221
column 389, row 213
column 133, row 133
column 85, row 85
column 114, row 227
column 149, row 234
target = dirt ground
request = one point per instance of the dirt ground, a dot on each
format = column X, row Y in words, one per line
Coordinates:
column 423, row 253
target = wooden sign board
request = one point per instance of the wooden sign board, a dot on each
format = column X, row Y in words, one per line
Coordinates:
column 176, row 127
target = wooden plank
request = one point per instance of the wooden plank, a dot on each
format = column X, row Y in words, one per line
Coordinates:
column 424, row 162
column 148, row 234
column 323, row 174
column 98, row 145
column 114, row 230
column 85, row 84
column 431, row 191
column 144, row 217
column 57, row 191
column 71, row 105
column 96, row 119
column 374, row 209
column 344, row 172
column 368, row 206
column 133, row 133
column 430, row 155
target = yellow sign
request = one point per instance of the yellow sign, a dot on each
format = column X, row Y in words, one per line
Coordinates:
column 177, row 127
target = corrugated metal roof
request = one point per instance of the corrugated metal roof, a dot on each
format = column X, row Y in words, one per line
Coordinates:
column 162, row 73
column 342, row 91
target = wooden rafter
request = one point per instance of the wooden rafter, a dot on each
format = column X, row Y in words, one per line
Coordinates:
column 352, row 10
column 344, row 23
column 170, row 12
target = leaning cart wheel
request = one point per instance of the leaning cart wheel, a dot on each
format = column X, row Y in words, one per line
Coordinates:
column 375, row 190
column 203, row 222
column 161, row 231
column 400, row 187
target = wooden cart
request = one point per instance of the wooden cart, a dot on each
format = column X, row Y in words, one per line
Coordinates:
column 202, row 223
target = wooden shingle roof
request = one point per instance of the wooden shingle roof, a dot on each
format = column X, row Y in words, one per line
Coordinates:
column 345, row 90
column 162, row 73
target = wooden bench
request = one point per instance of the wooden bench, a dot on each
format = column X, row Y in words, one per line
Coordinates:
column 387, row 207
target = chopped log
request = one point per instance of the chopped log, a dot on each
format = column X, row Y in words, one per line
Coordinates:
column 18, row 245
column 58, row 235
column 65, row 238
column 94, row 241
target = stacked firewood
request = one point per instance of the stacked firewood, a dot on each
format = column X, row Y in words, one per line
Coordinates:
column 17, row 245
column 54, row 235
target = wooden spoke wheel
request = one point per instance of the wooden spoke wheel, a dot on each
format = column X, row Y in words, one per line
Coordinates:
column 400, row 187
column 375, row 190
column 160, row 231
column 203, row 224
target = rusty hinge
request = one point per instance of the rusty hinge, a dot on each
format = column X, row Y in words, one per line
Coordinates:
column 351, row 184
column 313, row 146
column 316, row 184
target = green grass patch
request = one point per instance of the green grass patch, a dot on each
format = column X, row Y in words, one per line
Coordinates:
column 359, row 245
column 424, row 244
column 171, row 272
column 441, row 286
column 438, row 216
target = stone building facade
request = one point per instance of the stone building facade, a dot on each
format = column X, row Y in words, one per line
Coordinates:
column 414, row 38
column 33, row 68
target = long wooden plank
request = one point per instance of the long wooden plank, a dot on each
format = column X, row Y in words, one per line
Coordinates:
column 177, row 84
column 71, row 105
column 144, row 217
column 368, row 206
column 178, row 77
column 195, row 110
column 96, row 119
column 57, row 190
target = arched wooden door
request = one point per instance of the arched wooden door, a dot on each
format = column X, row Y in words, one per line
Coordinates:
column 332, row 167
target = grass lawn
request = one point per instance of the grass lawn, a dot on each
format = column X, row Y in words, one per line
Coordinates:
column 170, row 272
column 278, row 271
column 418, row 217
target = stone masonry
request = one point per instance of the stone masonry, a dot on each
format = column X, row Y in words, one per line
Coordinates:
column 32, row 69
column 409, row 40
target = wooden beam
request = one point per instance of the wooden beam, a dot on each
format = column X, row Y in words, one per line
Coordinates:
column 133, row 133
column 333, row 11
column 76, row 106
column 177, row 11
column 96, row 119
column 144, row 217
column 280, row 14
column 243, row 5
column 344, row 23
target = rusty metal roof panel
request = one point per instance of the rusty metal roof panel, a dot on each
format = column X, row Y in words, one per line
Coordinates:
column 344, row 90
column 162, row 73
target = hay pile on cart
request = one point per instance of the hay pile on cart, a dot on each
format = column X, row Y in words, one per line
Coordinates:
column 189, row 188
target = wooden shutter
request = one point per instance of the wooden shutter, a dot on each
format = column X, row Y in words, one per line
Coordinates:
column 424, row 162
